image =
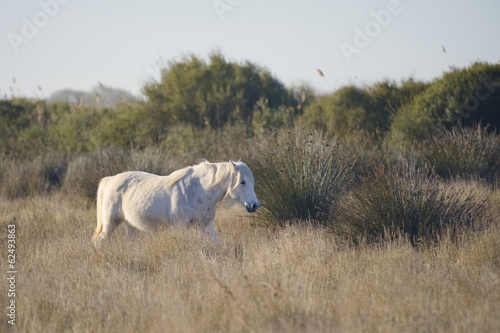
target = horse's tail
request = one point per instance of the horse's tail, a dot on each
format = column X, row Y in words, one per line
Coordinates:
column 99, row 226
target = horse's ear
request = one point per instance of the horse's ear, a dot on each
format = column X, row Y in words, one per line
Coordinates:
column 235, row 166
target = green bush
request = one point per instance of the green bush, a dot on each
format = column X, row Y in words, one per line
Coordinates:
column 266, row 118
column 403, row 199
column 342, row 113
column 127, row 125
column 212, row 94
column 72, row 133
column 467, row 96
column 22, row 124
column 299, row 176
column 462, row 152
column 387, row 97
column 186, row 144
column 353, row 111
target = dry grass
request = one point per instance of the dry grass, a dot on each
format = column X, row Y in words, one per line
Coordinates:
column 296, row 279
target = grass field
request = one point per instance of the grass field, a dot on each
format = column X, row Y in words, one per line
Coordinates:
column 260, row 279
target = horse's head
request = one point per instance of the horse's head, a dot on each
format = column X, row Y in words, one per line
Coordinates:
column 242, row 187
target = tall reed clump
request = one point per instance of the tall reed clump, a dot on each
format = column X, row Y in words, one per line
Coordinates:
column 463, row 152
column 299, row 176
column 406, row 200
column 152, row 159
column 85, row 171
column 33, row 176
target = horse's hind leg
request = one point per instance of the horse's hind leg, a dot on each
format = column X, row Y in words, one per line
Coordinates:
column 97, row 233
column 108, row 226
column 110, row 219
column 107, row 215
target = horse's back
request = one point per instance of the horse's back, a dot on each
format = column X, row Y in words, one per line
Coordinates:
column 122, row 181
column 113, row 190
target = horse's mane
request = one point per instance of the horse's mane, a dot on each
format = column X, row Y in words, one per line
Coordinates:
column 219, row 171
column 226, row 169
column 177, row 175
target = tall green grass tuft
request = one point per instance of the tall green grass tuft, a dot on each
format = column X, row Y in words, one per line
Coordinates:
column 299, row 175
column 401, row 199
column 468, row 152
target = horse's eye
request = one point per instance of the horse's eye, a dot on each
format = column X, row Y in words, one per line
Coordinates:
column 242, row 182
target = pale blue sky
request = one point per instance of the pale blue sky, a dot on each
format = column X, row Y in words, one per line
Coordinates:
column 121, row 43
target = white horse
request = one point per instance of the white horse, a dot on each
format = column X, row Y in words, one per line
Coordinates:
column 186, row 197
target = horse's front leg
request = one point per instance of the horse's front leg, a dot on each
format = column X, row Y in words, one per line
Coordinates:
column 208, row 226
column 209, row 229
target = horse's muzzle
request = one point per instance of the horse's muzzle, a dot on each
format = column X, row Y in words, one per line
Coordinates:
column 252, row 206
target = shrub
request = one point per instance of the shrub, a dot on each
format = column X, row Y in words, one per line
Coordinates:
column 127, row 125
column 213, row 93
column 152, row 160
column 403, row 199
column 343, row 113
column 366, row 111
column 73, row 132
column 186, row 144
column 266, row 118
column 22, row 127
column 41, row 175
column 468, row 96
column 462, row 152
column 85, row 171
column 299, row 176
column 387, row 97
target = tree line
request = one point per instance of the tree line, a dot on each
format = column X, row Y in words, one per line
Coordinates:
column 197, row 95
